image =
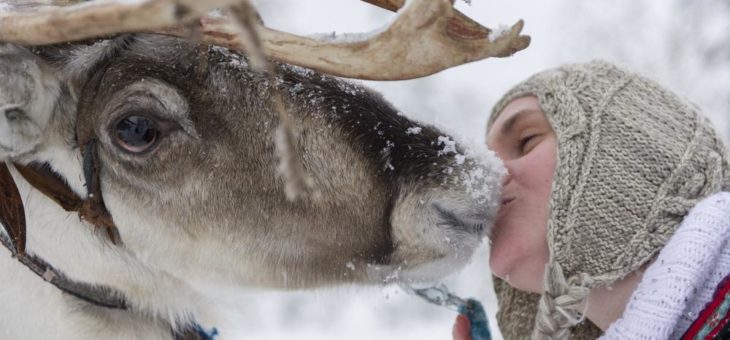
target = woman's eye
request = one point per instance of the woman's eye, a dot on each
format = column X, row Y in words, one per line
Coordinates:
column 136, row 134
column 527, row 143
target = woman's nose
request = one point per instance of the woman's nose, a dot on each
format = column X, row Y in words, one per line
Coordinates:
column 507, row 178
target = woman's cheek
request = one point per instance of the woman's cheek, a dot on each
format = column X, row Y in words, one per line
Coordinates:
column 508, row 246
column 498, row 261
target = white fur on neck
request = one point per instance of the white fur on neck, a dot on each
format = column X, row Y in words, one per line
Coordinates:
column 158, row 301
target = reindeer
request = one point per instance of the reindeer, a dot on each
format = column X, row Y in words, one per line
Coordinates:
column 149, row 170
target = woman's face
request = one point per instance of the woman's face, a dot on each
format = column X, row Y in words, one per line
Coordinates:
column 523, row 138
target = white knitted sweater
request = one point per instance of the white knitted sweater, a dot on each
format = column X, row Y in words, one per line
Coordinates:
column 678, row 285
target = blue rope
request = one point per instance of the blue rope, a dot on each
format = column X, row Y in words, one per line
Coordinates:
column 204, row 334
column 196, row 330
column 474, row 310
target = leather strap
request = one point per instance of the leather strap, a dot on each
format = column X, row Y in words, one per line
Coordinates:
column 94, row 294
column 50, row 184
column 91, row 210
column 12, row 217
column 12, row 214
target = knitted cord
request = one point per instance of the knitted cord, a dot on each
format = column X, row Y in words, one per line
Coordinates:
column 559, row 305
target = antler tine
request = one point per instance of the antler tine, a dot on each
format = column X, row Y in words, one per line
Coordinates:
column 427, row 37
column 460, row 25
column 41, row 25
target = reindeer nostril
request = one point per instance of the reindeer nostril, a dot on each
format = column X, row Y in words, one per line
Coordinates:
column 14, row 113
column 458, row 222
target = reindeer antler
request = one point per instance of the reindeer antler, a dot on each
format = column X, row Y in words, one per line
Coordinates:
column 428, row 36
column 31, row 24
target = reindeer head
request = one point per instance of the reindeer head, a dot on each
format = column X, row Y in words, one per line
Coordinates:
column 186, row 143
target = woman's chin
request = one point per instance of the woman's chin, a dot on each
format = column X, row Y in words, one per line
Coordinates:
column 498, row 268
column 524, row 280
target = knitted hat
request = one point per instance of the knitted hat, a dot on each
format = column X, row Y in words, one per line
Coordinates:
column 633, row 159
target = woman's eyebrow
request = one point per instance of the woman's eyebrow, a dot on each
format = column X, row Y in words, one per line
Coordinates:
column 511, row 121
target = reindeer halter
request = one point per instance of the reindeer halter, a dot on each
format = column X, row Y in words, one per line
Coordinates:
column 92, row 210
column 633, row 159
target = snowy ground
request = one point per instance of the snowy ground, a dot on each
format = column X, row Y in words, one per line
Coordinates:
column 680, row 43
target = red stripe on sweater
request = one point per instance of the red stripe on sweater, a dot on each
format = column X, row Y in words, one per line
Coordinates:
column 723, row 289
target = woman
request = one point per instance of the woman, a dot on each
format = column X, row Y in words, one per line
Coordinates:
column 616, row 216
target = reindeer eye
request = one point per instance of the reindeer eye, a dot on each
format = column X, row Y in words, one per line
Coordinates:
column 136, row 134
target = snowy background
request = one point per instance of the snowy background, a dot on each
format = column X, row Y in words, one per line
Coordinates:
column 685, row 44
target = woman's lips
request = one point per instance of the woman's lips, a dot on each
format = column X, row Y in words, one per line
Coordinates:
column 507, row 201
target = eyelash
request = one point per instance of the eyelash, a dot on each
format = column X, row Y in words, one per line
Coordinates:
column 524, row 141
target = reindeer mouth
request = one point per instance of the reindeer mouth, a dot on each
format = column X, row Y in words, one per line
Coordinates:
column 461, row 222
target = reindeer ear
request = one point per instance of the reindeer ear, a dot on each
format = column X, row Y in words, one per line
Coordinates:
column 29, row 91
